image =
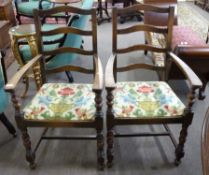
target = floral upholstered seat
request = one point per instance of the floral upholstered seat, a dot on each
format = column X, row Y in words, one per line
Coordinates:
column 146, row 99
column 62, row 101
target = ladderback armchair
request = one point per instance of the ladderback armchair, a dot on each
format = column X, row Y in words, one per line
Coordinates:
column 4, row 98
column 63, row 104
column 142, row 102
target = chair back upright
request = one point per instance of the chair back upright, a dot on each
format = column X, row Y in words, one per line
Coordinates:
column 140, row 27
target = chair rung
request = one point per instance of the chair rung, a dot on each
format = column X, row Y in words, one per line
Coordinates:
column 145, row 134
column 78, row 137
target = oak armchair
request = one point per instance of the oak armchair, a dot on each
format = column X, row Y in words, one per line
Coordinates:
column 145, row 102
column 62, row 104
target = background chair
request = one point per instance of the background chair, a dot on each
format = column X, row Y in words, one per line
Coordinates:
column 63, row 104
column 25, row 8
column 4, row 98
column 146, row 102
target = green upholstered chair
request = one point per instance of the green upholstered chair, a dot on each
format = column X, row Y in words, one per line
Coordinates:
column 4, row 96
column 25, row 8
column 141, row 101
column 63, row 104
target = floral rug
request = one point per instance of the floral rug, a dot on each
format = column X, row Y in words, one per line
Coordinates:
column 188, row 16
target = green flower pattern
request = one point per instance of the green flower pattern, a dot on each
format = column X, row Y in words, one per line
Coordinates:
column 146, row 99
column 62, row 101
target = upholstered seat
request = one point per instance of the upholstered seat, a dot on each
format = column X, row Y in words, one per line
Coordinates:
column 62, row 101
column 146, row 99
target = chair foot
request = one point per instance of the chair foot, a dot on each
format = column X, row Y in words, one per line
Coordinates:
column 201, row 94
column 7, row 124
column 177, row 162
column 110, row 157
column 100, row 151
column 32, row 166
column 30, row 156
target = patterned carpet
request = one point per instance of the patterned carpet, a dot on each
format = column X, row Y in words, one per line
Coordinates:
column 188, row 16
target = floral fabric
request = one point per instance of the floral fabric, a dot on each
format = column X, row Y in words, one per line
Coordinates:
column 146, row 99
column 62, row 101
column 157, row 40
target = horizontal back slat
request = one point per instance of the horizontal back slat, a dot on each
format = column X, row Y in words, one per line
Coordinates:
column 65, row 30
column 140, row 47
column 136, row 66
column 140, row 27
column 65, row 9
column 67, row 50
column 71, row 68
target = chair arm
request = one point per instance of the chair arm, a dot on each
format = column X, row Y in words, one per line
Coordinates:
column 109, row 74
column 194, row 81
column 98, row 79
column 12, row 83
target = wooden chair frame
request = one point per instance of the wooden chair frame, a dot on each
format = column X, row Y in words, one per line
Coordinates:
column 96, row 71
column 111, row 82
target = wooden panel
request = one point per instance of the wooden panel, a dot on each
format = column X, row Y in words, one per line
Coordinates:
column 7, row 11
column 5, row 39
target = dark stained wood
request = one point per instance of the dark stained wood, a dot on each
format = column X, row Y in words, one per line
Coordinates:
column 96, row 72
column 112, row 69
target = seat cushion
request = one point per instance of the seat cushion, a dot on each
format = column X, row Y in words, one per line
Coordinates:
column 62, row 101
column 27, row 8
column 146, row 99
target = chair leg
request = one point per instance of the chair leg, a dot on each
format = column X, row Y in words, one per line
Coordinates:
column 100, row 150
column 69, row 76
column 110, row 145
column 30, row 156
column 7, row 124
column 182, row 139
column 19, row 20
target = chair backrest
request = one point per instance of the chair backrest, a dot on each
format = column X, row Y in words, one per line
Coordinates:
column 74, row 31
column 140, row 27
column 205, row 144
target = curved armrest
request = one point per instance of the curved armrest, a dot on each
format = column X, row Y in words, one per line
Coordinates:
column 12, row 83
column 194, row 81
column 109, row 74
column 98, row 78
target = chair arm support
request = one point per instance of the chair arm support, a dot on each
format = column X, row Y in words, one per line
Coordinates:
column 194, row 81
column 12, row 83
column 98, row 79
column 109, row 74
